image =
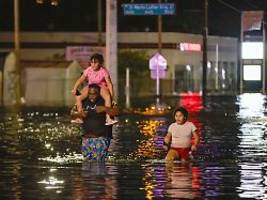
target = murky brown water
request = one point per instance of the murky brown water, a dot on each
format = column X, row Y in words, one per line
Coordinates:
column 40, row 155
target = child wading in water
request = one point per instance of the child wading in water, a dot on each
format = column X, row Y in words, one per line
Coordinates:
column 179, row 136
column 96, row 73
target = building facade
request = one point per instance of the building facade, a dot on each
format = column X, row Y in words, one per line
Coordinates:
column 46, row 71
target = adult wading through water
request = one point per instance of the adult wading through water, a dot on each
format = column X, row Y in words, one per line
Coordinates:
column 96, row 135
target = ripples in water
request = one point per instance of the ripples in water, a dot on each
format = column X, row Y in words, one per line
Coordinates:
column 40, row 155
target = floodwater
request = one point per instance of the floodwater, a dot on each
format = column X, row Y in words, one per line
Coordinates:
column 40, row 154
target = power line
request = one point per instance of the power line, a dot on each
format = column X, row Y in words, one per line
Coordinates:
column 252, row 5
column 229, row 6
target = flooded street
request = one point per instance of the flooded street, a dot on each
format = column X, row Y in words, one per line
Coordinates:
column 40, row 154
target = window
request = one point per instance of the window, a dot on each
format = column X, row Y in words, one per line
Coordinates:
column 252, row 72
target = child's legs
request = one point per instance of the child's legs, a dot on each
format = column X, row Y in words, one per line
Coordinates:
column 84, row 93
column 171, row 155
column 104, row 92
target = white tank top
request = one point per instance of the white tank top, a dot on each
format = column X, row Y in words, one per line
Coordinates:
column 181, row 134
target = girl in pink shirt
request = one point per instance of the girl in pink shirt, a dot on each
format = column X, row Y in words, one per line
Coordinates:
column 96, row 73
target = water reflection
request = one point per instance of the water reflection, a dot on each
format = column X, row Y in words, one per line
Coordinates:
column 98, row 181
column 251, row 105
column 252, row 147
column 183, row 180
column 40, row 155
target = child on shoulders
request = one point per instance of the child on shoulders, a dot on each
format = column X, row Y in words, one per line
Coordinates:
column 96, row 73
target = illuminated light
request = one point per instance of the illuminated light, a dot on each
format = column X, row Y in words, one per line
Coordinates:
column 54, row 2
column 223, row 73
column 190, row 47
column 188, row 67
column 252, row 72
column 209, row 64
column 40, row 1
column 252, row 50
column 191, row 101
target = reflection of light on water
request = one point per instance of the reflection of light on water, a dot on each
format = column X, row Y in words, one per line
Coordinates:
column 74, row 158
column 159, row 109
column 52, row 183
column 148, row 127
column 252, row 147
column 251, row 105
column 191, row 101
column 47, row 146
column 154, row 180
column 147, row 147
column 171, row 180
column 252, row 181
column 252, row 140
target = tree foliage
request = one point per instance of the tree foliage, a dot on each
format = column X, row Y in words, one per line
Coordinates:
column 136, row 61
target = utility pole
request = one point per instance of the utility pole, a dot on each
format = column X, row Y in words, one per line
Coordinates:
column 99, row 22
column 159, row 31
column 17, row 51
column 205, row 35
column 112, row 43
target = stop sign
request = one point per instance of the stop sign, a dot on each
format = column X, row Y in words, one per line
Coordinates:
column 157, row 62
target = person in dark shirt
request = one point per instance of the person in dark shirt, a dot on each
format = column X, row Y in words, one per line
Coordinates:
column 96, row 135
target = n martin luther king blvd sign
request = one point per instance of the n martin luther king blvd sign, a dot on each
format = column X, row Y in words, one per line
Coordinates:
column 149, row 9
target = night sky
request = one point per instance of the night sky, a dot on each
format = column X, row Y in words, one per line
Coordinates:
column 81, row 15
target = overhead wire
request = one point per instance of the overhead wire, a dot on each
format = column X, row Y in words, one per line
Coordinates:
column 229, row 6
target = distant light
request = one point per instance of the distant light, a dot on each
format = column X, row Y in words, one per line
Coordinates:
column 184, row 46
column 209, row 64
column 188, row 67
column 252, row 50
column 252, row 72
column 40, row 1
column 54, row 2
column 223, row 74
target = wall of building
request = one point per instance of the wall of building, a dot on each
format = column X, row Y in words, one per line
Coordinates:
column 50, row 47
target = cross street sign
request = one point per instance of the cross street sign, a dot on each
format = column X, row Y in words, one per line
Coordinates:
column 149, row 9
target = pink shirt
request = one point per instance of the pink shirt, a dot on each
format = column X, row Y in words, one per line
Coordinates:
column 96, row 77
column 181, row 134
